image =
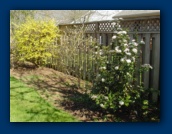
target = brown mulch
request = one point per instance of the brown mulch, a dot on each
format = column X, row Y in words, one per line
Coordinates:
column 62, row 91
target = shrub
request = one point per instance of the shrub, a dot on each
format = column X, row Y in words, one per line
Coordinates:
column 35, row 41
column 116, row 85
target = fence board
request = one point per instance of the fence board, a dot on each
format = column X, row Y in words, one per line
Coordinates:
column 146, row 59
column 79, row 63
column 109, row 36
column 156, row 64
column 104, row 39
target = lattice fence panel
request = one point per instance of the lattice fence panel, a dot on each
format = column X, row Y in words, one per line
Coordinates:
column 105, row 27
column 145, row 25
column 148, row 25
column 90, row 27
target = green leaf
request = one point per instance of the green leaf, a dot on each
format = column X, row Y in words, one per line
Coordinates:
column 144, row 107
column 126, row 104
column 145, row 102
column 128, row 97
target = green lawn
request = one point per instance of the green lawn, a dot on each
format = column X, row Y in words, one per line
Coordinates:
column 27, row 106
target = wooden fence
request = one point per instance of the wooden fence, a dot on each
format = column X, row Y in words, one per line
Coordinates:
column 79, row 64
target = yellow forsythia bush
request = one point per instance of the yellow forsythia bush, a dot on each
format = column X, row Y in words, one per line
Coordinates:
column 35, row 40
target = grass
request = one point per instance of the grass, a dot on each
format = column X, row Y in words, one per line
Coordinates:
column 26, row 105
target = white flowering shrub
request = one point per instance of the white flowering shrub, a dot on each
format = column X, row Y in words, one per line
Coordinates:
column 115, row 86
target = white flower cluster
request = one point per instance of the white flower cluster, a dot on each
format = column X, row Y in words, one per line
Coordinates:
column 126, row 50
column 114, row 37
column 125, row 59
column 96, row 46
column 134, row 43
column 128, row 60
column 129, row 74
column 94, row 97
column 101, row 105
column 125, row 45
column 121, row 103
column 102, row 68
column 125, row 41
column 106, row 97
column 117, row 67
column 134, row 50
column 122, row 32
column 134, row 59
column 142, row 42
column 147, row 66
column 103, row 80
column 122, row 60
column 101, row 52
column 117, row 49
column 128, row 53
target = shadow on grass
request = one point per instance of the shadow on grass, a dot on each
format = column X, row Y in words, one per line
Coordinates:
column 27, row 106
